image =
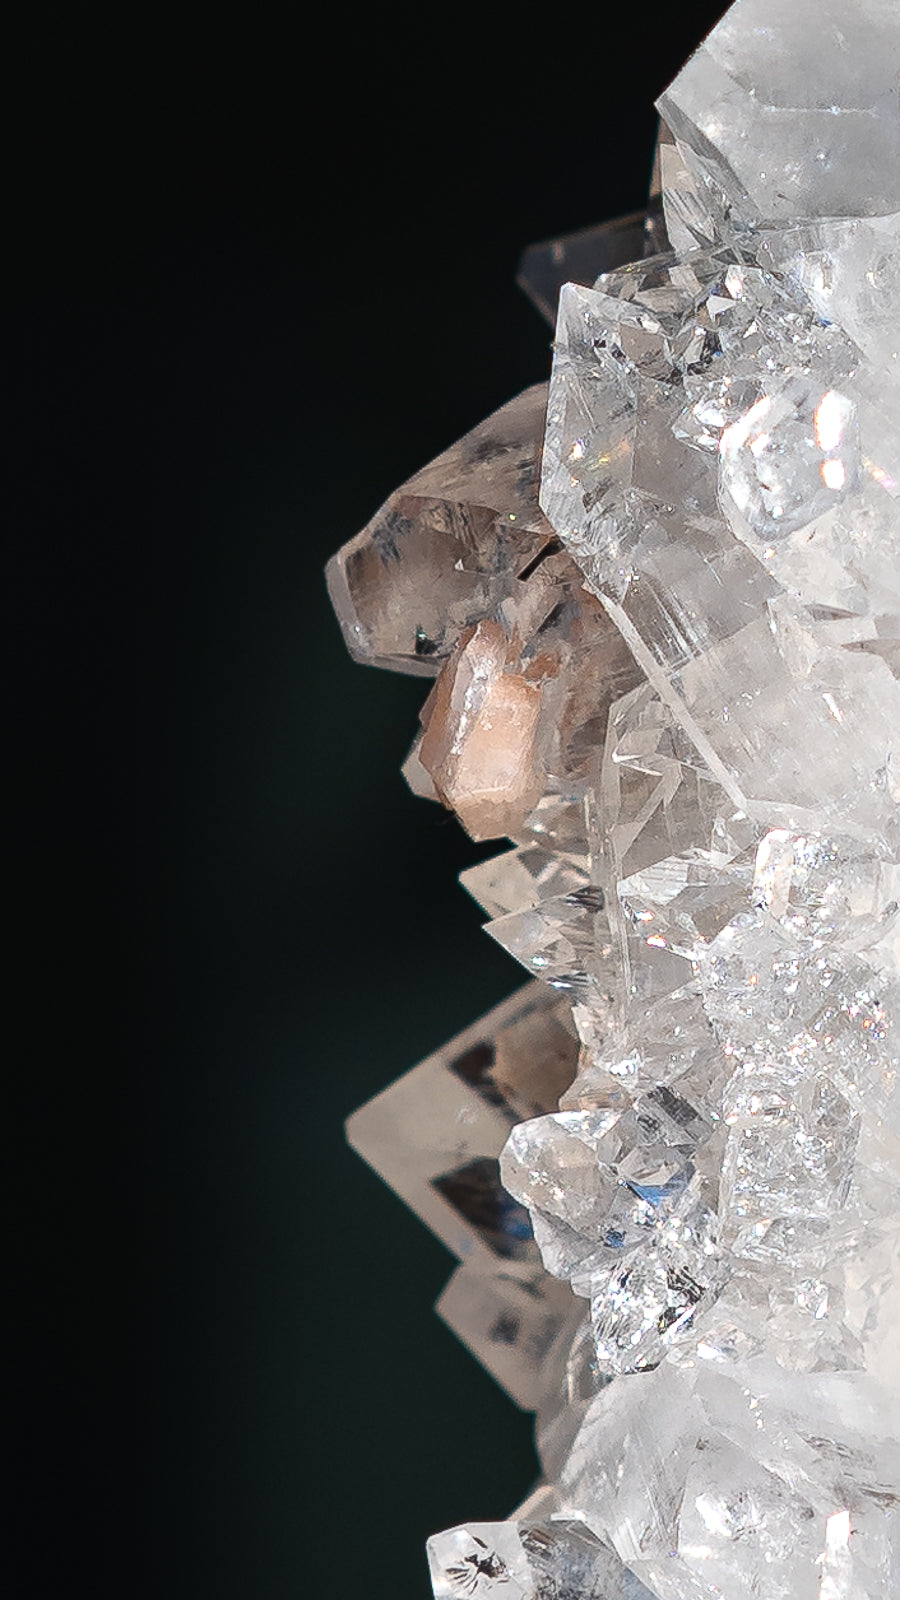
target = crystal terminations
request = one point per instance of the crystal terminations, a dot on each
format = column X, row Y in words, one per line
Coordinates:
column 660, row 603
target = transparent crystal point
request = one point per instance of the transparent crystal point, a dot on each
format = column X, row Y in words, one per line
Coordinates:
column 556, row 1560
column 581, row 257
column 447, row 547
column 669, row 674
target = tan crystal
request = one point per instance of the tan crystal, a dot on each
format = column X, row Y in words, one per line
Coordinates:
column 448, row 1117
column 478, row 744
column 534, row 1062
column 447, row 547
column 691, row 738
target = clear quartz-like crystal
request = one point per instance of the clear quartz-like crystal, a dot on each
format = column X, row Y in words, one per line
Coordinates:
column 787, row 111
column 557, row 1560
column 662, row 608
column 447, row 547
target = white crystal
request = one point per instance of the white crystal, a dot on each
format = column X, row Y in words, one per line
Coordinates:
column 792, row 111
column 556, row 1560
column 686, row 720
column 791, row 457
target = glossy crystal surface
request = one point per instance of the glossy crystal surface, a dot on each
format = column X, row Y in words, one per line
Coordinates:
column 661, row 601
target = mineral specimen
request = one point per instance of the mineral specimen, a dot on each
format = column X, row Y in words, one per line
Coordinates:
column 661, row 603
column 560, row 1560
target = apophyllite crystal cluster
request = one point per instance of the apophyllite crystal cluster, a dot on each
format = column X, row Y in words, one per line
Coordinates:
column 660, row 603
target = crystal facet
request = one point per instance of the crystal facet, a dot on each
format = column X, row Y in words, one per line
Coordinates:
column 661, row 603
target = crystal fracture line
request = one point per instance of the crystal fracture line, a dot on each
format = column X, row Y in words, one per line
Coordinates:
column 660, row 603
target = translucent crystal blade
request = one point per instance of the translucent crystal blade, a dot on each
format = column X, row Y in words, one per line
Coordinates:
column 792, row 111
column 581, row 257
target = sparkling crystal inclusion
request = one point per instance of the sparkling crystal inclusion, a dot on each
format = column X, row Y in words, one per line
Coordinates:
column 660, row 602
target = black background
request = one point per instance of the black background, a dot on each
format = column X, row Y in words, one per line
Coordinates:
column 260, row 277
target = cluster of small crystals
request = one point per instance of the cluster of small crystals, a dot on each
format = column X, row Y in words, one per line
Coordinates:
column 661, row 604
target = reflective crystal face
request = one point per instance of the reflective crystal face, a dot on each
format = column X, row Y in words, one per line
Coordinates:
column 447, row 547
column 786, row 111
column 661, row 604
column 704, row 399
column 790, row 458
column 558, row 1560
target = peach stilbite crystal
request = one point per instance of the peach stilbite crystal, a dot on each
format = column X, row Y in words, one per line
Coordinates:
column 677, row 694
column 478, row 744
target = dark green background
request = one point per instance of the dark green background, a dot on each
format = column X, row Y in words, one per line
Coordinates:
column 242, row 316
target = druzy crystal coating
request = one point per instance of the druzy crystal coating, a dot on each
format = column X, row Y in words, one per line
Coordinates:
column 660, row 602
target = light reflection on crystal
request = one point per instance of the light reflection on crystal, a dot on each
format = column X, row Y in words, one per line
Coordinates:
column 662, row 608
